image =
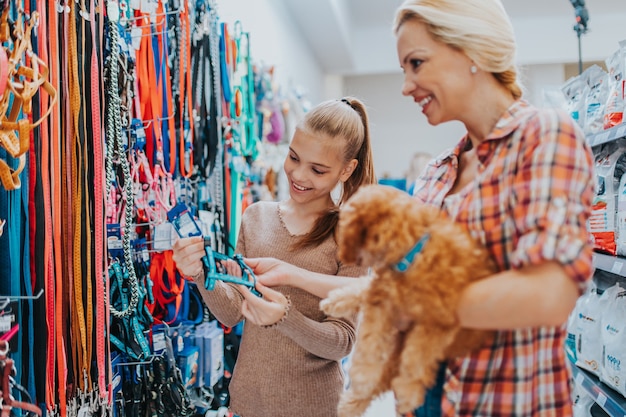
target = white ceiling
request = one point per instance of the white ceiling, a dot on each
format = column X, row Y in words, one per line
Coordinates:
column 337, row 29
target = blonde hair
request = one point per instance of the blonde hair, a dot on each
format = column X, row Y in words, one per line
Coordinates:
column 344, row 120
column 479, row 28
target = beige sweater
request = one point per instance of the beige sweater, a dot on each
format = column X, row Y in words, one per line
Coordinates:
column 294, row 368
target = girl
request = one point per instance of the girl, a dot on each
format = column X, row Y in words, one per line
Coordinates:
column 289, row 359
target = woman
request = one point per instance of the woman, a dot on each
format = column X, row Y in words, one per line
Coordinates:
column 521, row 181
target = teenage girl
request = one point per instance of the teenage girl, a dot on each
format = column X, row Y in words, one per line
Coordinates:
column 289, row 359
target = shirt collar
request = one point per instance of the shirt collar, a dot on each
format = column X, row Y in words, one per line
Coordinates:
column 508, row 122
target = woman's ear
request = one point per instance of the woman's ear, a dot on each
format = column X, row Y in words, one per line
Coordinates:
column 348, row 170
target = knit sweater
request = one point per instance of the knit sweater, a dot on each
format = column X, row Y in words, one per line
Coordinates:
column 292, row 369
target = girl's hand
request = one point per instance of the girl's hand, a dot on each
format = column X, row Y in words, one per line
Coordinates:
column 232, row 268
column 270, row 272
column 270, row 309
column 187, row 254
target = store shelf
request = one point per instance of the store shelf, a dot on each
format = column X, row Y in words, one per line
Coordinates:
column 613, row 264
column 611, row 401
column 608, row 135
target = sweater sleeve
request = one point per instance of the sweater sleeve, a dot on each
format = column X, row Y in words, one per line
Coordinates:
column 331, row 338
column 224, row 302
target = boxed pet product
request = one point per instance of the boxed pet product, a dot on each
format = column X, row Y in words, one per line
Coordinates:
column 189, row 363
column 602, row 223
column 613, row 334
column 211, row 338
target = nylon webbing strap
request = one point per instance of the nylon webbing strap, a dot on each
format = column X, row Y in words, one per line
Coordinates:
column 99, row 218
column 78, row 326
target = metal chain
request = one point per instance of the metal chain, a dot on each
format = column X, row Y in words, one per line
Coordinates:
column 115, row 148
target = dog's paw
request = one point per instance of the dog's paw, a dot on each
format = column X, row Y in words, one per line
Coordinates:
column 340, row 303
column 409, row 396
column 350, row 406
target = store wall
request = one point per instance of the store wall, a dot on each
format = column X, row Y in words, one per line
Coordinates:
column 274, row 40
column 547, row 47
column 398, row 128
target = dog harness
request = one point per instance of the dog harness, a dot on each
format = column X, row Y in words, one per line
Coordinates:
column 408, row 259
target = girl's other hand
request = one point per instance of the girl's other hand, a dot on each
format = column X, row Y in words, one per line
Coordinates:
column 266, row 310
column 187, row 254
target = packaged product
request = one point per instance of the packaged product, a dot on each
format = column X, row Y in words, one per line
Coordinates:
column 575, row 90
column 587, row 324
column 595, row 100
column 613, row 333
column 614, row 108
column 602, row 222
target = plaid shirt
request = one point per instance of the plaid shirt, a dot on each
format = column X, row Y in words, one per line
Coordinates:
column 529, row 203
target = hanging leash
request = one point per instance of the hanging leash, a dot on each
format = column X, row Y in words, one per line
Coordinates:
column 115, row 150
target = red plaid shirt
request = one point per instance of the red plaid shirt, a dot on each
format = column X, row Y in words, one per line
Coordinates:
column 529, row 203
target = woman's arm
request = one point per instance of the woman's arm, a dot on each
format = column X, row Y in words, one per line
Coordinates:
column 273, row 272
column 535, row 295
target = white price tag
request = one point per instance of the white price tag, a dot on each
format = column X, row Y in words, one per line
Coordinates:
column 5, row 324
column 163, row 237
column 158, row 342
column 617, row 267
column 601, row 399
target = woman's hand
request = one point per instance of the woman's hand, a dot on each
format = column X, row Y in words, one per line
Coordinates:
column 188, row 253
column 263, row 311
column 270, row 272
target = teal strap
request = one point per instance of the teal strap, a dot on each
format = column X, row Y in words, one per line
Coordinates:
column 408, row 259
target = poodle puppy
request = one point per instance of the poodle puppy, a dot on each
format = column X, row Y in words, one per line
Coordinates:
column 408, row 325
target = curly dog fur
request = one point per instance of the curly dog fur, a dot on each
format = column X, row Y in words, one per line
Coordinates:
column 377, row 227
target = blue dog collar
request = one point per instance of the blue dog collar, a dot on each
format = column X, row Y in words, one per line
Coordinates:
column 408, row 259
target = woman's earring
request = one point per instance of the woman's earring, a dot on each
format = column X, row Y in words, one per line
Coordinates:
column 473, row 69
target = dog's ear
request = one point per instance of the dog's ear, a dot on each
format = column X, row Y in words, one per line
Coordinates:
column 351, row 234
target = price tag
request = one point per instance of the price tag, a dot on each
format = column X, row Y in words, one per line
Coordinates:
column 163, row 237
column 5, row 324
column 158, row 342
column 601, row 399
column 617, row 267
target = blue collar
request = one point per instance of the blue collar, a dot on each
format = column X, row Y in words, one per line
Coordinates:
column 408, row 259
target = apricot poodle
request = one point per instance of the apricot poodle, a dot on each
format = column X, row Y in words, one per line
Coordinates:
column 408, row 324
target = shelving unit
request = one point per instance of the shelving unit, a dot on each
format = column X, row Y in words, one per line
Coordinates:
column 613, row 264
column 611, row 401
column 608, row 135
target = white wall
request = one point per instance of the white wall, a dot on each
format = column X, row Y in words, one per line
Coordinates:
column 274, row 40
column 398, row 128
